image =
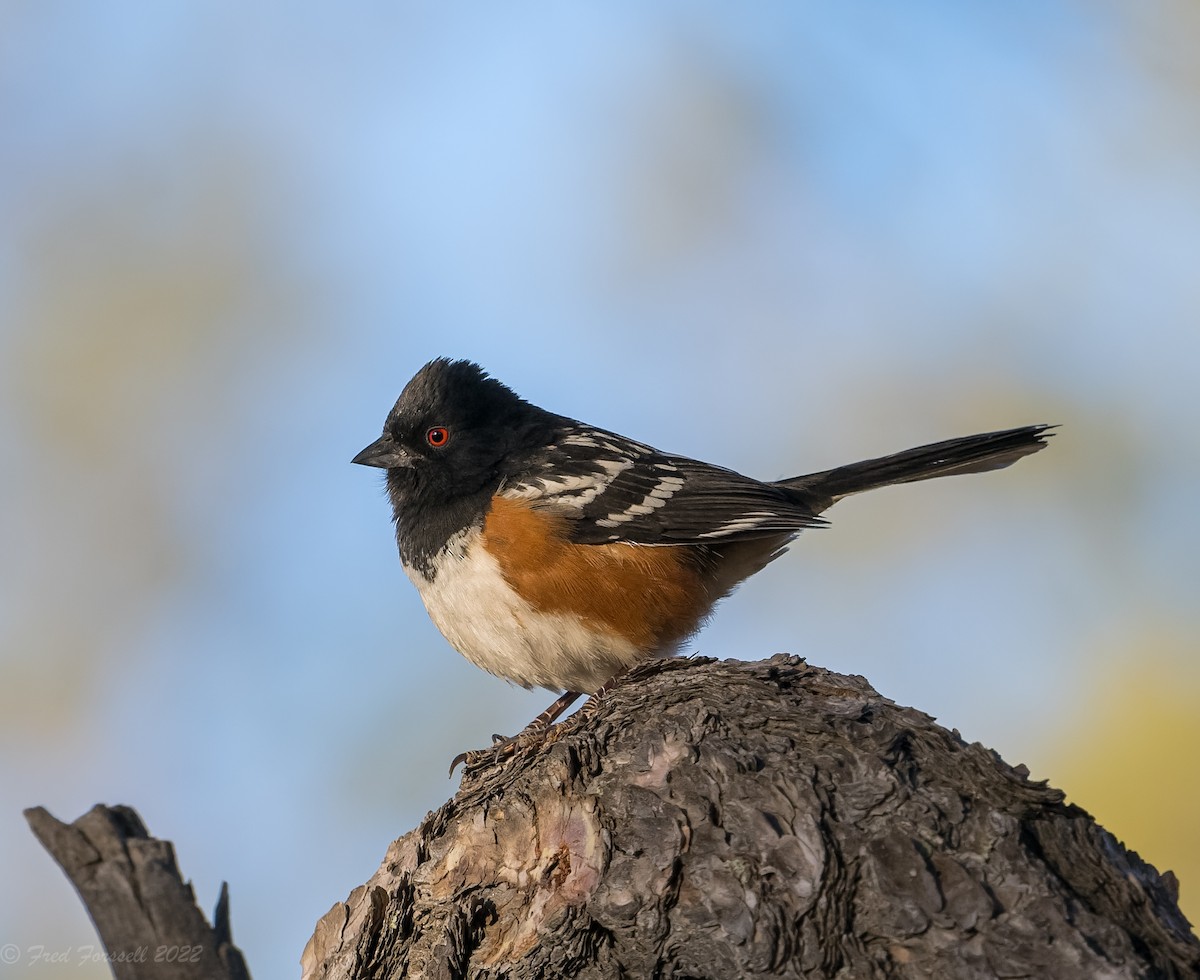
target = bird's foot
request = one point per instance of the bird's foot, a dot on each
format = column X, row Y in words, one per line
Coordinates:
column 533, row 734
column 501, row 749
column 538, row 732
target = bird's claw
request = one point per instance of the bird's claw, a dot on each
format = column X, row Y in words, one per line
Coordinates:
column 502, row 747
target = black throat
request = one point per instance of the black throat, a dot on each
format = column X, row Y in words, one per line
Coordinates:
column 425, row 523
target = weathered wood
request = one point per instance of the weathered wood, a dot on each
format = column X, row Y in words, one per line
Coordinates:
column 756, row 820
column 145, row 913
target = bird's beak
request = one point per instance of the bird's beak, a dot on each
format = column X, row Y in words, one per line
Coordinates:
column 385, row 454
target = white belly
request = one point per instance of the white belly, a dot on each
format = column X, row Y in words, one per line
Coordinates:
column 496, row 629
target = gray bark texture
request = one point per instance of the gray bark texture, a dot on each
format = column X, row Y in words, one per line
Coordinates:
column 725, row 820
column 143, row 910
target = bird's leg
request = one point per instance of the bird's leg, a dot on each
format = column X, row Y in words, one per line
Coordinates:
column 592, row 704
column 536, row 730
column 548, row 717
column 503, row 747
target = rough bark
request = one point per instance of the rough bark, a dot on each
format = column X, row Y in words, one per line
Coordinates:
column 756, row 820
column 145, row 913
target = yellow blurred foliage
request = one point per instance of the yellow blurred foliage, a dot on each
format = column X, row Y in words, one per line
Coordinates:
column 1131, row 758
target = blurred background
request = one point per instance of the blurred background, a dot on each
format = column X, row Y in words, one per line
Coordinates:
column 779, row 238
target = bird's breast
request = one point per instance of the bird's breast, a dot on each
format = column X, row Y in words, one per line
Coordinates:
column 518, row 599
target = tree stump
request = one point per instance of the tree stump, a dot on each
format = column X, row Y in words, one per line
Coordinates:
column 142, row 908
column 725, row 819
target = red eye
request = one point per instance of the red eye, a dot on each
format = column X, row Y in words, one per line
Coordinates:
column 438, row 436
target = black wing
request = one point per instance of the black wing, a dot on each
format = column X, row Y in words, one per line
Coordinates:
column 614, row 489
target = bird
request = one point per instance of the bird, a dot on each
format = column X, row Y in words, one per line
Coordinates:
column 559, row 555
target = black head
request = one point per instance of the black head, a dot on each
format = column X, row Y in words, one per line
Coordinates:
column 455, row 432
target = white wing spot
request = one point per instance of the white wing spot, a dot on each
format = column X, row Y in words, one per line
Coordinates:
column 747, row 522
column 615, row 467
column 576, row 491
column 667, row 487
column 662, row 492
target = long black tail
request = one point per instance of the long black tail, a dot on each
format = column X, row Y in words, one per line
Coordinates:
column 968, row 454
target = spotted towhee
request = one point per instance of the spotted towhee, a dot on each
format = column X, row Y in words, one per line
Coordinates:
column 555, row 554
